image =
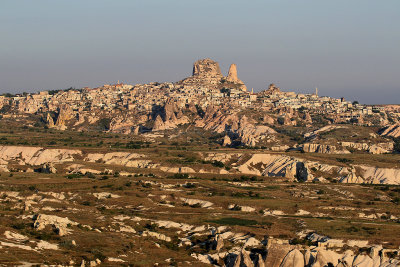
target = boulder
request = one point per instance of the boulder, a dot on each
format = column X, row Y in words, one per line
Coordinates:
column 326, row 258
column 293, row 259
column 276, row 254
column 363, row 261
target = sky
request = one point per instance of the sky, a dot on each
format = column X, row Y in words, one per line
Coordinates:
column 346, row 48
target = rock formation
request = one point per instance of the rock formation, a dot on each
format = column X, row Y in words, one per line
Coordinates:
column 322, row 148
column 268, row 120
column 227, row 141
column 207, row 68
column 391, row 131
column 49, row 121
column 59, row 224
column 307, row 118
column 64, row 114
column 272, row 89
column 207, row 72
column 233, row 77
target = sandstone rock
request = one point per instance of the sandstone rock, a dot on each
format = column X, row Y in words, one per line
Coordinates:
column 250, row 133
column 363, row 261
column 275, row 165
column 326, row 257
column 207, row 67
column 307, row 118
column 276, row 254
column 347, row 259
column 64, row 114
column 246, row 260
column 293, row 259
column 322, row 148
column 218, row 242
column 59, row 224
column 241, row 208
column 48, row 168
column 391, row 131
column 156, row 235
column 232, row 77
column 49, row 121
column 352, row 178
column 272, row 89
column 202, row 203
column 379, row 148
column 268, row 119
column 308, row 258
column 135, row 130
column 158, row 124
column 324, row 129
column 227, row 141
column 232, row 73
column 251, row 242
column 37, row 155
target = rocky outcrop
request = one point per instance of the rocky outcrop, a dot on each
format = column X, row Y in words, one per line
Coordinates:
column 324, row 129
column 293, row 259
column 207, row 72
column 158, row 124
column 217, row 243
column 247, row 132
column 379, row 148
column 217, row 120
column 36, row 156
column 307, row 118
column 121, row 158
column 372, row 175
column 226, row 141
column 268, row 120
column 391, row 131
column 49, row 121
column 321, row 148
column 59, row 224
column 169, row 117
column 206, row 68
column 326, row 258
column 232, row 74
column 233, row 78
column 287, row 121
column 48, row 168
column 250, row 134
column 276, row 165
column 199, row 202
column 272, row 89
column 65, row 113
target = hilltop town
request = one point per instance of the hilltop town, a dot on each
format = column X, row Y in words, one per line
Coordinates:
column 198, row 172
column 207, row 100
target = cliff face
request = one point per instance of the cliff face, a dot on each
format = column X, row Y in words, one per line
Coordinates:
column 392, row 131
column 207, row 68
column 207, row 72
column 233, row 77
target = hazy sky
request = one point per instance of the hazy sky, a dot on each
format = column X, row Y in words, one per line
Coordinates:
column 347, row 48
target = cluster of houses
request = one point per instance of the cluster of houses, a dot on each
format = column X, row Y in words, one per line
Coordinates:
column 144, row 97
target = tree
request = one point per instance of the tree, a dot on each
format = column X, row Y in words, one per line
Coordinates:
column 355, row 103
